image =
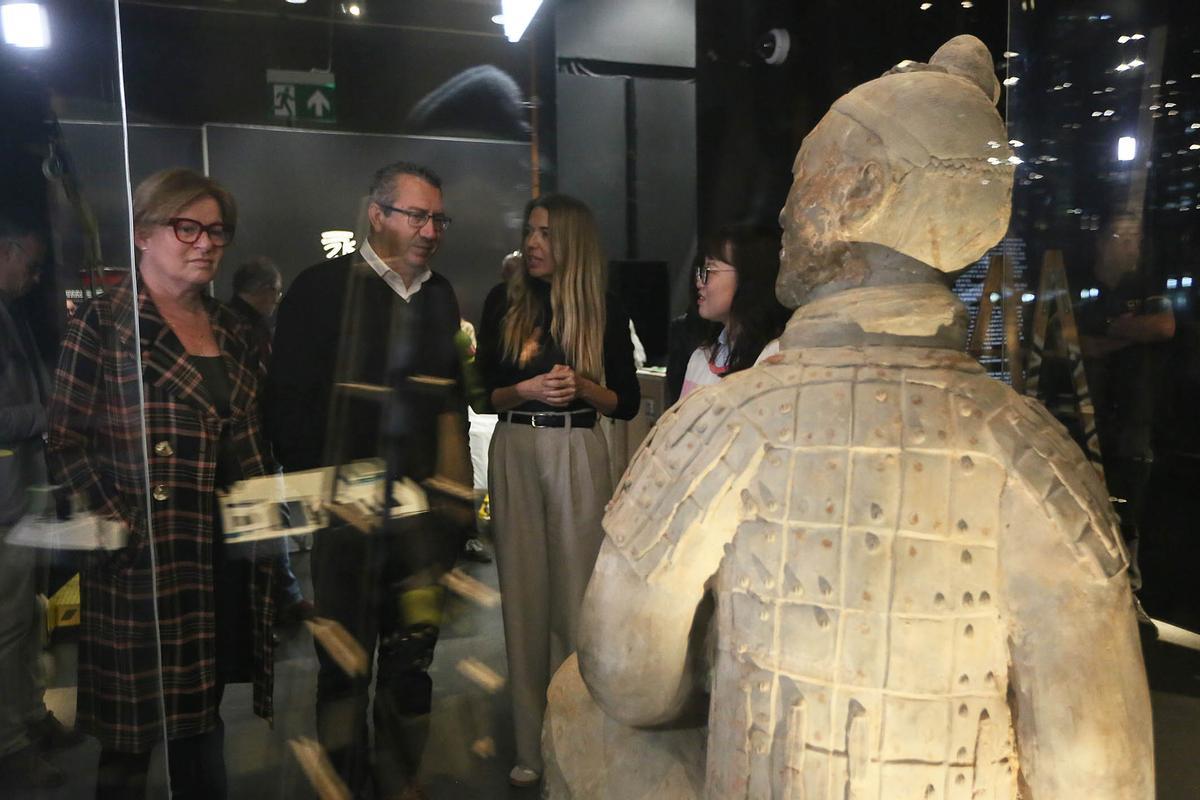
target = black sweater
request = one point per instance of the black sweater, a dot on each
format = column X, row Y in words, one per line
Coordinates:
column 394, row 339
column 620, row 375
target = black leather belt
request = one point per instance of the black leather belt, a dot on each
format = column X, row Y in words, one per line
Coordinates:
column 551, row 419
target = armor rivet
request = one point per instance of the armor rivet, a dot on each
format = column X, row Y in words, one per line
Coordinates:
column 960, row 780
column 786, row 408
column 969, row 631
column 939, row 599
column 764, row 615
column 966, row 556
column 963, row 710
column 769, row 583
column 872, row 541
column 881, row 396
column 916, row 401
column 967, row 463
column 968, row 600
column 762, row 687
column 741, row 648
column 701, row 428
column 744, row 583
column 962, row 753
column 876, row 511
column 964, row 680
column 962, row 524
column 965, row 411
column 918, row 467
column 985, row 598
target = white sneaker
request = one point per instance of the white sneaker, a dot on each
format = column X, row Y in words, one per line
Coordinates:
column 523, row 777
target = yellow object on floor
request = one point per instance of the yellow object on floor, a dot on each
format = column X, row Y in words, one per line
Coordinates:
column 63, row 611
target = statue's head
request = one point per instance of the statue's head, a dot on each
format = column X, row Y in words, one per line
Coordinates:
column 915, row 161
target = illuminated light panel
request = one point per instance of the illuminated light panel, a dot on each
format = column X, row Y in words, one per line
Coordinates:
column 1012, row 81
column 25, row 25
column 926, row 6
column 1126, row 148
column 515, row 16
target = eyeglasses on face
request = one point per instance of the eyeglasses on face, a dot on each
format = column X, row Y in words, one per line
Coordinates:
column 418, row 217
column 707, row 268
column 188, row 231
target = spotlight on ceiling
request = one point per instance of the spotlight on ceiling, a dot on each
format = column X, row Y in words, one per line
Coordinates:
column 297, row 2
column 515, row 16
column 25, row 25
column 352, row 9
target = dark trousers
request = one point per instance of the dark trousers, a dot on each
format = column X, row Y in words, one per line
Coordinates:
column 197, row 765
column 382, row 588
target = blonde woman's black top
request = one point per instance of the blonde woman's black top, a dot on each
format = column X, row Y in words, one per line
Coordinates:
column 620, row 374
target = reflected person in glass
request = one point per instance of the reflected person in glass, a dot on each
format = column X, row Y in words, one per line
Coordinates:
column 173, row 616
column 27, row 729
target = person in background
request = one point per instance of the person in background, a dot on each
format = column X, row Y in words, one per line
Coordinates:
column 1123, row 335
column 257, row 289
column 735, row 295
column 176, row 600
column 27, row 729
column 555, row 352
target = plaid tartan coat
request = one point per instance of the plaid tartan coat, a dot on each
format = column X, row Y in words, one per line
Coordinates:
column 96, row 449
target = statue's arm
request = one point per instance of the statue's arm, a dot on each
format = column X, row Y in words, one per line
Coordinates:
column 1077, row 684
column 665, row 534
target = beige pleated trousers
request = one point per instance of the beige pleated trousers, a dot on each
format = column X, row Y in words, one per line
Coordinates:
column 548, row 490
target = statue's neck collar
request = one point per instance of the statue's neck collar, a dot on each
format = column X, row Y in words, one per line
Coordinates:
column 912, row 314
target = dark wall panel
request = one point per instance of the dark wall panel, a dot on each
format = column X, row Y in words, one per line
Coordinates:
column 293, row 184
column 666, row 178
column 97, row 152
column 662, row 32
column 591, row 151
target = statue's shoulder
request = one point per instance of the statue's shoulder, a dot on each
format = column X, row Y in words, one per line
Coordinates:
column 1049, row 468
column 693, row 459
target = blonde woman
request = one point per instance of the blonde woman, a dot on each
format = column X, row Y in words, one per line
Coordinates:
column 555, row 353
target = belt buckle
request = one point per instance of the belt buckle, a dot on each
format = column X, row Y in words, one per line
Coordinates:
column 533, row 420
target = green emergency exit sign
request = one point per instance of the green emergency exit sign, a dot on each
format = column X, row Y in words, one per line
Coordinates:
column 299, row 95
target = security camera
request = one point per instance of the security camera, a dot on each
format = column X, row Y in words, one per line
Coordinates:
column 773, row 46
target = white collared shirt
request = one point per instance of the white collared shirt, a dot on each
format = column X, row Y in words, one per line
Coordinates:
column 390, row 276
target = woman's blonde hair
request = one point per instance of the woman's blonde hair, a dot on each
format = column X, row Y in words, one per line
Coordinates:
column 577, row 289
column 167, row 192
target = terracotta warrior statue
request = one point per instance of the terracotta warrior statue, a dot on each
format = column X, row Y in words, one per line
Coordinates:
column 918, row 584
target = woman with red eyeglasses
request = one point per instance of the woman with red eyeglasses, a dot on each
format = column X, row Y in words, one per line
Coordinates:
column 155, row 408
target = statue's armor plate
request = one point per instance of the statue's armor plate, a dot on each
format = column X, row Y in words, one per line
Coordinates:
column 862, row 646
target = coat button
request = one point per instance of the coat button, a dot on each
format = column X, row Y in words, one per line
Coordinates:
column 164, row 448
column 159, row 493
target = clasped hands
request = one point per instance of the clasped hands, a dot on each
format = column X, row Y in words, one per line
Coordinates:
column 558, row 387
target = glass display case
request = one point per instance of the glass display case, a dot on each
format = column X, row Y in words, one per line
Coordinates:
column 257, row 321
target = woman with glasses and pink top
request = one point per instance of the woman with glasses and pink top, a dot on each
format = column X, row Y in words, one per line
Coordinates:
column 735, row 295
column 155, row 408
